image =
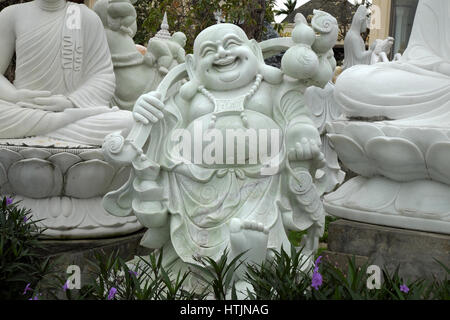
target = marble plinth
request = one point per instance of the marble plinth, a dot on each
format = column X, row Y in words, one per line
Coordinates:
column 65, row 253
column 403, row 175
column 413, row 251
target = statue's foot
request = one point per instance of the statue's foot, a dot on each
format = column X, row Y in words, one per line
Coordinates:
column 250, row 237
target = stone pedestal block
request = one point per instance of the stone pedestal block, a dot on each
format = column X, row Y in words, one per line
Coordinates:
column 79, row 252
column 413, row 251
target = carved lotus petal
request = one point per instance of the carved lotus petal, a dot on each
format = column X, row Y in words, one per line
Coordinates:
column 89, row 179
column 352, row 155
column 64, row 160
column 391, row 131
column 92, row 154
column 336, row 127
column 8, row 157
column 433, row 203
column 30, row 153
column 35, row 178
column 362, row 132
column 438, row 162
column 363, row 198
column 423, row 138
column 397, row 159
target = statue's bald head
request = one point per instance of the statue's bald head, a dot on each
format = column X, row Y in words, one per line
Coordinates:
column 218, row 32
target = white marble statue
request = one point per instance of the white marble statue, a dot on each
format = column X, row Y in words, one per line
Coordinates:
column 324, row 108
column 401, row 149
column 137, row 72
column 231, row 156
column 64, row 76
column 355, row 48
column 54, row 117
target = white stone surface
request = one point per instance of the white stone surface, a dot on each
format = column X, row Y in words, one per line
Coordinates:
column 137, row 72
column 55, row 115
column 200, row 208
column 402, row 164
column 355, row 47
column 64, row 187
column 324, row 109
column 64, row 75
column 416, row 89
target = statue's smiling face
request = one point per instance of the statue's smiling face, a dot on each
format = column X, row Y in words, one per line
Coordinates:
column 224, row 59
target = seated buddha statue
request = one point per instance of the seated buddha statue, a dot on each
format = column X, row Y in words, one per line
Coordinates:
column 413, row 91
column 64, row 77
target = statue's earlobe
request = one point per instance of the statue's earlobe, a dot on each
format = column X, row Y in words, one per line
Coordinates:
column 257, row 50
column 189, row 89
column 190, row 66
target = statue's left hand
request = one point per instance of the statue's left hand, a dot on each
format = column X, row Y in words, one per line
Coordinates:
column 55, row 103
column 307, row 150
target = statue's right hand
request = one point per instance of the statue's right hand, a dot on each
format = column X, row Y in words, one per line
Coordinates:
column 26, row 95
column 148, row 108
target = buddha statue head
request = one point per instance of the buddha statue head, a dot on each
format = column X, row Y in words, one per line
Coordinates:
column 180, row 38
column 360, row 19
column 225, row 59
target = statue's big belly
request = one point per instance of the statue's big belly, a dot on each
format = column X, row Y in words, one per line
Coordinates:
column 229, row 142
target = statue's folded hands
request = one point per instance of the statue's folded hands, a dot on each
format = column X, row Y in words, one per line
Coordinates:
column 55, row 103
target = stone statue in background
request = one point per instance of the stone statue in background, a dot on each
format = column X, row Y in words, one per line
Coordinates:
column 137, row 71
column 231, row 158
column 401, row 149
column 355, row 48
column 55, row 116
column 64, row 77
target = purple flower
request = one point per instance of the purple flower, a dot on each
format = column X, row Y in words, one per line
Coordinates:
column 9, row 201
column 134, row 273
column 316, row 264
column 66, row 285
column 25, row 219
column 316, row 280
column 27, row 288
column 404, row 288
column 318, row 260
column 35, row 297
column 112, row 293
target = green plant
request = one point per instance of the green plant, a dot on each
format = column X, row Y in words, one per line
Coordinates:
column 219, row 275
column 147, row 280
column 284, row 277
column 289, row 5
column 192, row 16
column 295, row 237
column 328, row 219
column 22, row 268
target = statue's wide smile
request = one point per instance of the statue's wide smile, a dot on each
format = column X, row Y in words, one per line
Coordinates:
column 226, row 64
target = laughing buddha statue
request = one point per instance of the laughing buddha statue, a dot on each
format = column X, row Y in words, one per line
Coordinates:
column 231, row 158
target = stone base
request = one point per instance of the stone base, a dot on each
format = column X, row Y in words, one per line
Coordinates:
column 79, row 252
column 413, row 251
column 421, row 205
